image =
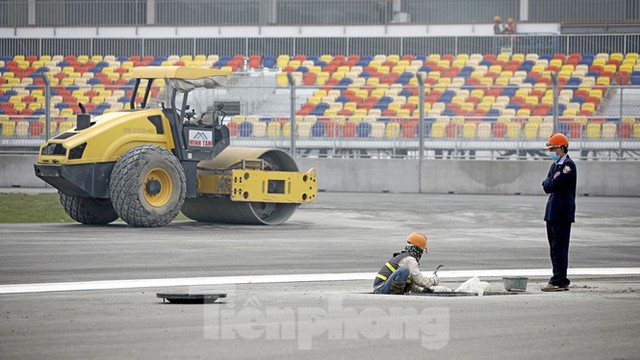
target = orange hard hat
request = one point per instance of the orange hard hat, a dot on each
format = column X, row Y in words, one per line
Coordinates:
column 418, row 239
column 558, row 140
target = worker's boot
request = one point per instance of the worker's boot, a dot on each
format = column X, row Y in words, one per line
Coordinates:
column 397, row 288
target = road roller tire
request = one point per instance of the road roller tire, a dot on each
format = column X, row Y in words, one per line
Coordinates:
column 148, row 186
column 218, row 209
column 87, row 210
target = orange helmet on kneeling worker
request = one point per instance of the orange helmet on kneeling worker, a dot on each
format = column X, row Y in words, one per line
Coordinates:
column 418, row 239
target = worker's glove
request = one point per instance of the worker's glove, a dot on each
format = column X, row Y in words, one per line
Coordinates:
column 434, row 279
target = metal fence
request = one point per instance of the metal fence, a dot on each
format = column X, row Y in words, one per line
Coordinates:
column 541, row 44
column 266, row 110
column 306, row 12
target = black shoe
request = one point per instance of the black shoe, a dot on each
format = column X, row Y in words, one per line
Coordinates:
column 552, row 288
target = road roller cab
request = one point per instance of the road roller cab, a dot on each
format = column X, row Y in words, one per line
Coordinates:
column 169, row 152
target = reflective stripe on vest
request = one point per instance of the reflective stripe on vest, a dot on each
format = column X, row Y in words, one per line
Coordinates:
column 391, row 267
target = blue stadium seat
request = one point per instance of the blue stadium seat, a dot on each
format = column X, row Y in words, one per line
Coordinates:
column 363, row 129
column 245, row 128
column 345, row 82
column 269, row 62
column 318, row 129
column 577, row 99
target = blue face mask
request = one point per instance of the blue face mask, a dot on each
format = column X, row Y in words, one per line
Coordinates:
column 553, row 156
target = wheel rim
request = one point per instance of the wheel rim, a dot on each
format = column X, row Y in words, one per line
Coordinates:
column 157, row 187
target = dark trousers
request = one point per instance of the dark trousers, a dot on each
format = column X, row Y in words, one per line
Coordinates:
column 558, row 233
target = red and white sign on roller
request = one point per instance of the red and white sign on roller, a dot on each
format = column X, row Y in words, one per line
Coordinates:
column 200, row 138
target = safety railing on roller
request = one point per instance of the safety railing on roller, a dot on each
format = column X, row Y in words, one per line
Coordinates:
column 424, row 118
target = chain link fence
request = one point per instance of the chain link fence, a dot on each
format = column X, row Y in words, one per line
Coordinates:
column 368, row 119
column 540, row 44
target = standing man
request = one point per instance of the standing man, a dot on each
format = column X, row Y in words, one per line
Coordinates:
column 401, row 274
column 561, row 208
column 497, row 25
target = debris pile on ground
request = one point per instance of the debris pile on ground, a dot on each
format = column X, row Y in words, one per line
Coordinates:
column 474, row 286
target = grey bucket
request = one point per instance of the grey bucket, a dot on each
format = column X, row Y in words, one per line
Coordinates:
column 516, row 284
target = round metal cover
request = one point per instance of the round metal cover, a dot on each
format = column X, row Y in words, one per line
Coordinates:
column 186, row 298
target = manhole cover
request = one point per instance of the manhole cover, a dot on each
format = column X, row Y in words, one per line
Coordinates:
column 185, row 298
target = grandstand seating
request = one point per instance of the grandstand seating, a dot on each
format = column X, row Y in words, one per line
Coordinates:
column 467, row 96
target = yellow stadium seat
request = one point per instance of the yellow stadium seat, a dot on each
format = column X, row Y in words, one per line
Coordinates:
column 467, row 107
column 22, row 128
column 273, row 129
column 65, row 126
column 315, row 100
column 593, row 131
column 281, row 79
column 377, row 129
column 66, row 112
column 469, row 130
column 259, row 129
column 487, row 81
column 8, row 128
column 286, row 129
column 304, row 129
column 437, row 130
column 608, row 130
column 484, row 130
column 616, row 56
column 19, row 106
column 237, row 119
column 531, row 130
column 546, row 129
column 360, row 112
column 330, row 112
column 392, row 131
column 403, row 113
column 336, row 105
column 513, row 130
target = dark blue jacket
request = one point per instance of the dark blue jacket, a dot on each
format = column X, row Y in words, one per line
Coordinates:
column 561, row 205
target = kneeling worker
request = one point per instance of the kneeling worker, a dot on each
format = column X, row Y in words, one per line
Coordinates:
column 401, row 273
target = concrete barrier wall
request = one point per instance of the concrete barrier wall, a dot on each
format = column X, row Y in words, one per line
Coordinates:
column 17, row 170
column 605, row 178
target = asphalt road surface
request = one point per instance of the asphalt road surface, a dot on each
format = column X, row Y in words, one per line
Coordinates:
column 338, row 234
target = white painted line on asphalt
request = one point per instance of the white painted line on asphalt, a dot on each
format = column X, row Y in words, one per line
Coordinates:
column 265, row 279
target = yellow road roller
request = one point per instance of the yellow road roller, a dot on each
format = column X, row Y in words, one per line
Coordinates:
column 169, row 152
